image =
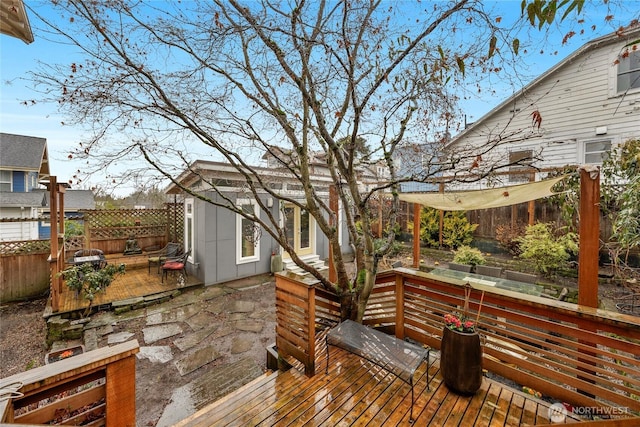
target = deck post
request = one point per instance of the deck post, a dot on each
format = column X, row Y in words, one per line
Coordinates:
column 399, row 326
column 589, row 232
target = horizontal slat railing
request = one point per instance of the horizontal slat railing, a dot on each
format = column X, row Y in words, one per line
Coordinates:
column 587, row 357
column 584, row 356
column 97, row 387
column 295, row 320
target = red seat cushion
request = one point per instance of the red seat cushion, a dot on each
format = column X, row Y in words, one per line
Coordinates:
column 173, row 265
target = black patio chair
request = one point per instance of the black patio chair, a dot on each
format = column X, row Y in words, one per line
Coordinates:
column 176, row 264
column 171, row 250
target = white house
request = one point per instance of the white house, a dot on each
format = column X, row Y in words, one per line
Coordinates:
column 572, row 114
column 24, row 164
column 24, row 173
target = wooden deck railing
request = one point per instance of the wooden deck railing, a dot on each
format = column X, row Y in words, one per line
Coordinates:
column 94, row 388
column 586, row 357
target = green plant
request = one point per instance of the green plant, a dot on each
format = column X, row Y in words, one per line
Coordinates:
column 396, row 247
column 85, row 280
column 456, row 229
column 73, row 228
column 468, row 255
column 548, row 251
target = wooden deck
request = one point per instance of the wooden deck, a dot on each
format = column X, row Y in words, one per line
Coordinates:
column 137, row 282
column 357, row 393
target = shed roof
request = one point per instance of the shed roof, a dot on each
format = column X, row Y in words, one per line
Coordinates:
column 75, row 200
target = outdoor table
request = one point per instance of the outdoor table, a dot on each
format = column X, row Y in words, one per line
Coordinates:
column 95, row 260
column 479, row 279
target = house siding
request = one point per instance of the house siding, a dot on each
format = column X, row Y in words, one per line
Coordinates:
column 572, row 101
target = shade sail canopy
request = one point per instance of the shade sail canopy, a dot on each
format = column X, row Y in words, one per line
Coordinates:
column 484, row 199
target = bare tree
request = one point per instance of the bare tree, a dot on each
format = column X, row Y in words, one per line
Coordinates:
column 232, row 81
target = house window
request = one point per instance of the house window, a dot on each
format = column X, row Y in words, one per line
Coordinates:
column 247, row 233
column 596, row 151
column 629, row 71
column 5, row 180
column 524, row 157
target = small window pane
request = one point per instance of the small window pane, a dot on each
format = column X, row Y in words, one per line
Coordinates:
column 629, row 71
column 597, row 151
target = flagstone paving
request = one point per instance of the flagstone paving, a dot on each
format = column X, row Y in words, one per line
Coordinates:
column 204, row 342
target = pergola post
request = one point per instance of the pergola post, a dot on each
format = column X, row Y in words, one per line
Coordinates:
column 416, row 235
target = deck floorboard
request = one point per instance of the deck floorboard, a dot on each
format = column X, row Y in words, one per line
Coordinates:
column 358, row 393
column 136, row 282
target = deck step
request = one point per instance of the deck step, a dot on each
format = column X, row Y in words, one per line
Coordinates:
column 312, row 260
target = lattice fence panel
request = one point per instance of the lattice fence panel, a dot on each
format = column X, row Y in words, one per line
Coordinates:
column 119, row 224
column 175, row 221
column 20, row 247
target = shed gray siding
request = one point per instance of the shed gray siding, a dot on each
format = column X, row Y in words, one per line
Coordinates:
column 215, row 245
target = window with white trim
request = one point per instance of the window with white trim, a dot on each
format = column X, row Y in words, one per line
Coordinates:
column 189, row 229
column 247, row 233
column 5, row 180
column 596, row 151
column 628, row 70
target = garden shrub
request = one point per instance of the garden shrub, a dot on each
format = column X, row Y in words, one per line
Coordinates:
column 469, row 256
column 456, row 229
column 548, row 251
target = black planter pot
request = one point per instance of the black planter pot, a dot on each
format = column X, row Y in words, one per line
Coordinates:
column 461, row 361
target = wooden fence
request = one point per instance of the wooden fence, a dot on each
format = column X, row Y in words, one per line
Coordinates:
column 586, row 357
column 24, row 270
column 94, row 388
column 26, row 273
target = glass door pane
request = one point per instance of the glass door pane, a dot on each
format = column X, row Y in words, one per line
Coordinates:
column 304, row 229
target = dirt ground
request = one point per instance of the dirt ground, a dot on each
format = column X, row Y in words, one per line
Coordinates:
column 22, row 338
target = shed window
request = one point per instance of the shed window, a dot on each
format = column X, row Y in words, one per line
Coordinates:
column 247, row 233
column 629, row 71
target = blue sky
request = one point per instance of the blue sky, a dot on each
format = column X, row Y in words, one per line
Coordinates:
column 42, row 120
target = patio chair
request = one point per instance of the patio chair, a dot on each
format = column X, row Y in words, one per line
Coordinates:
column 171, row 250
column 176, row 264
column 487, row 270
column 460, row 267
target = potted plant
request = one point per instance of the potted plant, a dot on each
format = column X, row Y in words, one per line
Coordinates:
column 460, row 350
